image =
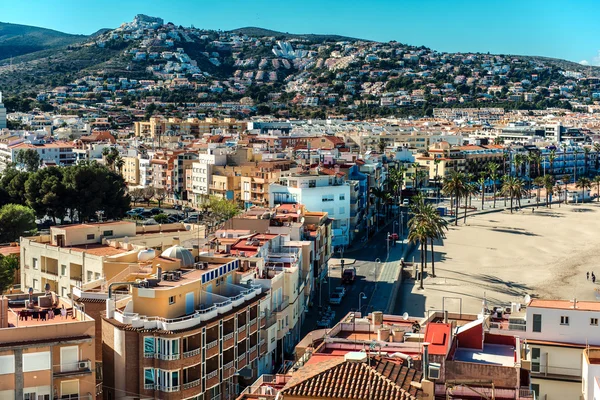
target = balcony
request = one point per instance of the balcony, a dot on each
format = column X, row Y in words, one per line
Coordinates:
column 191, row 353
column 149, row 386
column 212, row 379
column 228, row 341
column 263, row 346
column 253, row 326
column 192, row 384
column 285, row 302
column 227, row 368
column 168, row 389
column 212, row 349
column 75, row 368
column 241, row 361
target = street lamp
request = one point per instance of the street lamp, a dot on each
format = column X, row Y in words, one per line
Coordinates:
column 387, row 238
column 361, row 296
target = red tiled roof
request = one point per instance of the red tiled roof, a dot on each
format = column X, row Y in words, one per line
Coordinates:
column 438, row 335
column 339, row 379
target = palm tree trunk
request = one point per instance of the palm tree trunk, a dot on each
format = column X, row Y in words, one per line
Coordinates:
column 465, row 219
column 511, row 204
column 494, row 194
column 432, row 260
column 456, row 213
column 482, row 198
column 422, row 269
column 598, row 191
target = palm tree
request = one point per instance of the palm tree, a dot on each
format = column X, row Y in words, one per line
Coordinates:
column 470, row 190
column 482, row 186
column 548, row 182
column 538, row 181
column 512, row 187
column 597, row 151
column 505, row 157
column 566, row 180
column 436, row 178
column 492, row 168
column 551, row 158
column 583, row 183
column 586, row 157
column 380, row 196
column 559, row 191
column 415, row 166
column 518, row 161
column 596, row 180
column 564, row 146
column 119, row 163
column 575, row 152
column 428, row 222
column 455, row 186
column 418, row 234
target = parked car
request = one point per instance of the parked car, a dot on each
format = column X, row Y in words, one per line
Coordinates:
column 149, row 221
column 146, row 214
column 341, row 290
column 132, row 213
column 394, row 236
column 191, row 219
column 172, row 220
column 177, row 207
column 156, row 211
column 336, row 298
column 138, row 209
column 405, row 202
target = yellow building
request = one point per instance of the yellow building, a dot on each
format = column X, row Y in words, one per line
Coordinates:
column 131, row 170
column 158, row 126
column 448, row 159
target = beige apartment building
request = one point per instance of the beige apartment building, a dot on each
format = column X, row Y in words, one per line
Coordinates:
column 73, row 255
column 46, row 356
column 159, row 126
column 131, row 170
column 256, row 178
column 448, row 158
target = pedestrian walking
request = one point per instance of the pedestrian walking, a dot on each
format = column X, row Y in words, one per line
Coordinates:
column 587, row 276
column 593, row 278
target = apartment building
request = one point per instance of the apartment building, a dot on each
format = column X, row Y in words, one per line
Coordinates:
column 477, row 158
column 46, row 353
column 317, row 191
column 225, row 182
column 131, row 170
column 184, row 333
column 73, row 255
column 442, row 159
column 256, row 178
column 202, row 172
column 2, row 113
column 51, row 153
column 159, row 126
column 556, row 332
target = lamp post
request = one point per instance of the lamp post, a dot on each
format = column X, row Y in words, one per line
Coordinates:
column 361, row 296
column 387, row 238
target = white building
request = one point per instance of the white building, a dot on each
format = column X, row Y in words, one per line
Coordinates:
column 317, row 192
column 202, row 171
column 145, row 172
column 57, row 153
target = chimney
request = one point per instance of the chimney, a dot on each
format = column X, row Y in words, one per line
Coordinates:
column 377, row 317
column 445, row 316
column 159, row 273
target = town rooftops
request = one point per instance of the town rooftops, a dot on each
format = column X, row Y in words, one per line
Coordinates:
column 566, row 304
column 90, row 225
column 439, row 337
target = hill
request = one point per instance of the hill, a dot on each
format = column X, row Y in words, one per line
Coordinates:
column 16, row 40
column 262, row 32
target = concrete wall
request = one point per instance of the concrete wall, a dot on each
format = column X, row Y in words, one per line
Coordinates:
column 579, row 329
column 557, row 390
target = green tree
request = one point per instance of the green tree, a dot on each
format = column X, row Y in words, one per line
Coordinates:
column 596, row 181
column 455, row 186
column 512, row 187
column 493, row 171
column 548, row 182
column 148, row 194
column 8, row 266
column 13, row 183
column 161, row 218
column 583, row 183
column 28, row 159
column 538, row 182
column 160, row 195
column 223, row 209
column 15, row 221
column 45, row 193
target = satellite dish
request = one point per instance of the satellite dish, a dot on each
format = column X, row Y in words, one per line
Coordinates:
column 405, row 316
column 527, row 299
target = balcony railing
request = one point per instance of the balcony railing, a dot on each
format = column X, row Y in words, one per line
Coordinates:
column 212, row 375
column 168, row 389
column 149, row 386
column 149, row 355
column 283, row 305
column 252, row 349
column 228, row 336
column 242, row 357
column 167, row 357
column 212, row 344
column 192, row 384
column 192, row 353
column 241, row 328
column 79, row 367
column 252, row 322
column 228, row 366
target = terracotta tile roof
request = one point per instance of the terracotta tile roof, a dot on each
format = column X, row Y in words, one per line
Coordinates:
column 398, row 373
column 339, row 379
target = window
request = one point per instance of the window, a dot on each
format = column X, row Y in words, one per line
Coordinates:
column 342, row 197
column 63, row 291
column 564, row 320
column 327, row 197
column 535, row 387
column 149, row 345
column 537, row 322
column 172, row 300
column 38, row 361
column 342, row 210
column 90, row 236
column 34, row 261
column 7, row 364
column 107, row 233
column 594, row 321
column 63, row 270
column 29, row 396
column 149, row 377
column 89, row 276
column 36, row 285
column 535, row 359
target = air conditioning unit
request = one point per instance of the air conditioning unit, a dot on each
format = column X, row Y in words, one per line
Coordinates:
column 434, row 371
column 205, row 265
column 83, row 365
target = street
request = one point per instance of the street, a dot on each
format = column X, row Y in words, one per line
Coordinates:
column 374, row 278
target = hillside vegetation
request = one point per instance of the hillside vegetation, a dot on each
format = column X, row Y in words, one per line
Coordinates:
column 16, row 40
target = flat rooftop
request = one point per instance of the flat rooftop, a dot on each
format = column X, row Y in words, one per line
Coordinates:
column 492, row 354
column 97, row 249
column 566, row 304
column 19, row 316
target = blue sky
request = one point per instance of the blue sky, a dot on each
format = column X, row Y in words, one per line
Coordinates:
column 563, row 29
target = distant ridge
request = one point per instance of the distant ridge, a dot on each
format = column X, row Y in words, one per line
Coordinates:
column 17, row 40
column 258, row 32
